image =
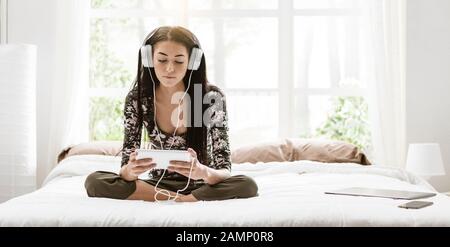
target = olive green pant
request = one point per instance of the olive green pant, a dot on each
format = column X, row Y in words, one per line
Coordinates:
column 111, row 185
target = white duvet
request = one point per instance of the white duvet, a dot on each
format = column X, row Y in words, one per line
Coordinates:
column 290, row 194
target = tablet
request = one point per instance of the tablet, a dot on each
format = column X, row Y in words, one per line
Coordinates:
column 163, row 157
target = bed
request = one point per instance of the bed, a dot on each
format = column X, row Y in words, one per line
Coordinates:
column 291, row 193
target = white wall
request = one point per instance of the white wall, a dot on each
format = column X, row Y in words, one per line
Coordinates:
column 428, row 78
column 32, row 21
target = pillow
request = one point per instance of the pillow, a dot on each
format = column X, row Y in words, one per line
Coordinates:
column 96, row 147
column 291, row 149
column 261, row 152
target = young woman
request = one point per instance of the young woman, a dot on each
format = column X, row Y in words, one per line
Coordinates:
column 171, row 64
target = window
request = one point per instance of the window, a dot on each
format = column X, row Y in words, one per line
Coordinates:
column 289, row 68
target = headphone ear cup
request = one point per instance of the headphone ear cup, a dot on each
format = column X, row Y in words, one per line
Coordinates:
column 146, row 56
column 195, row 59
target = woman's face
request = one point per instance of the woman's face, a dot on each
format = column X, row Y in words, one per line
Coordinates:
column 171, row 60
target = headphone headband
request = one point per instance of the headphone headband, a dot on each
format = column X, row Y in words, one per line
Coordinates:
column 195, row 58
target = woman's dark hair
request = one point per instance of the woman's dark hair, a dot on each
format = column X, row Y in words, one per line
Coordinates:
column 196, row 136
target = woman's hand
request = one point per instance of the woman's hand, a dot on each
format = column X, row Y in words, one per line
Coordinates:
column 134, row 168
column 199, row 171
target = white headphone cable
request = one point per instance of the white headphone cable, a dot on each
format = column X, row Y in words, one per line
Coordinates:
column 164, row 191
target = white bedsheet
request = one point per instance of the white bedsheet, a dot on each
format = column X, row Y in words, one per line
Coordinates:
column 290, row 194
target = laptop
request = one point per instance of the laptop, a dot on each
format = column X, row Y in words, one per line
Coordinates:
column 370, row 192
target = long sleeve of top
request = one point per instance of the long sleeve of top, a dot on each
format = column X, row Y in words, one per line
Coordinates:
column 218, row 147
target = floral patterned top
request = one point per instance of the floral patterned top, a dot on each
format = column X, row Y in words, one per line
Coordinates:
column 218, row 148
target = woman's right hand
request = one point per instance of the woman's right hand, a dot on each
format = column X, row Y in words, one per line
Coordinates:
column 134, row 168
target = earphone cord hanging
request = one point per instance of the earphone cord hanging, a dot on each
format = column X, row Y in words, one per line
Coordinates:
column 164, row 191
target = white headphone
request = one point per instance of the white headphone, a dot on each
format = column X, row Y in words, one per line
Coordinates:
column 194, row 59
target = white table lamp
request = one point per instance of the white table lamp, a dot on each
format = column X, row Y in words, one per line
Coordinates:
column 425, row 160
column 17, row 120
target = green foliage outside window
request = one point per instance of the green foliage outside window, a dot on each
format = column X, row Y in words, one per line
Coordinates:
column 348, row 121
column 105, row 119
column 106, row 71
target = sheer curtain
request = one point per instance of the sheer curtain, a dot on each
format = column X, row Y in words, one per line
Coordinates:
column 69, row 102
column 385, row 68
column 367, row 44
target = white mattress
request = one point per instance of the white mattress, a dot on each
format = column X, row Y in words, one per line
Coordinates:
column 290, row 194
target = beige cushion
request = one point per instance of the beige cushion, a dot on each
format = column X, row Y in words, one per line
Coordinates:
column 96, row 147
column 292, row 149
column 261, row 152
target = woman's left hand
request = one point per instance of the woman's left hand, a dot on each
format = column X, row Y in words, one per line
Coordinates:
column 199, row 171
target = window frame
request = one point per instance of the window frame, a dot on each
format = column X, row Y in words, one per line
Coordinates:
column 286, row 90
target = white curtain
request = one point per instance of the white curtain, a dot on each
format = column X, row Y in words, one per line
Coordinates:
column 69, row 104
column 371, row 51
column 385, row 72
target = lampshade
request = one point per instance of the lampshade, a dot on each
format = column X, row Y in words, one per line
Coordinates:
column 425, row 159
column 17, row 120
